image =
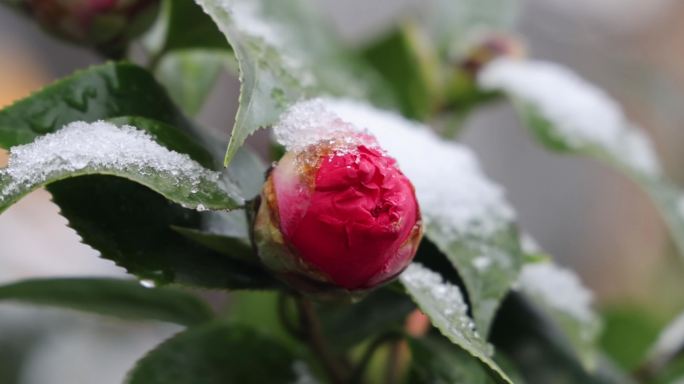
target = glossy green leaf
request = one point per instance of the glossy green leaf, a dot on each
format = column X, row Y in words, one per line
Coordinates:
column 560, row 295
column 97, row 93
column 409, row 63
column 113, row 297
column 234, row 247
column 104, row 149
column 443, row 303
column 190, row 75
column 217, row 353
column 434, row 361
column 285, row 53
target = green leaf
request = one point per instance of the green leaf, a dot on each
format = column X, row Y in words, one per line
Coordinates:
column 559, row 294
column 443, row 303
column 190, row 75
column 409, row 64
column 434, row 361
column 349, row 324
column 586, row 122
column 183, row 25
column 234, row 247
column 628, row 332
column 217, row 353
column 97, row 93
column 101, row 148
column 131, row 225
column 540, row 353
column 667, row 348
column 285, row 53
column 114, row 297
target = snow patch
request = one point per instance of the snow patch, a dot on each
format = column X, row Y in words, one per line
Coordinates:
column 583, row 116
column 558, row 288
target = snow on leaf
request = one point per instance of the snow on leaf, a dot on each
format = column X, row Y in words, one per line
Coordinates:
column 561, row 295
column 668, row 346
column 102, row 148
column 465, row 214
column 443, row 303
column 568, row 114
column 583, row 117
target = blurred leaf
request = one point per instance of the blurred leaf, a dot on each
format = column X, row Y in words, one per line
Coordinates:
column 217, row 353
column 190, row 75
column 627, row 334
column 349, row 324
column 285, row 53
column 259, row 310
column 455, row 24
column 559, row 294
column 540, row 353
column 408, row 62
column 115, row 297
column 443, row 303
column 179, row 179
column 434, row 361
column 668, row 347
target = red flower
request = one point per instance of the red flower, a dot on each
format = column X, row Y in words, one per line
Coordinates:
column 105, row 24
column 344, row 216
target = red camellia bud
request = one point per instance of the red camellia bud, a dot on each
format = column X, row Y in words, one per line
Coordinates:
column 338, row 214
column 105, row 24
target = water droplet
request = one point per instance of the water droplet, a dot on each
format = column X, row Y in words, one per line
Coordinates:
column 148, row 283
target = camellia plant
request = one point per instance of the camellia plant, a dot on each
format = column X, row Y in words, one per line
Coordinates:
column 372, row 249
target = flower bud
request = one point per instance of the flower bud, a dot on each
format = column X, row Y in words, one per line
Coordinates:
column 338, row 215
column 105, row 24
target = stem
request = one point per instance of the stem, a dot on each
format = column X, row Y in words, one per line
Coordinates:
column 357, row 376
column 393, row 360
column 317, row 342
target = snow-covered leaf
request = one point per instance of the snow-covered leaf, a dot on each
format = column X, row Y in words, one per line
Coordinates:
column 465, row 214
column 114, row 297
column 443, row 303
column 570, row 115
column 285, row 53
column 102, row 148
column 561, row 296
column 219, row 353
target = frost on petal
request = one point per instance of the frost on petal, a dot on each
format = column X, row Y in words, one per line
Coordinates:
column 102, row 148
column 453, row 193
column 582, row 116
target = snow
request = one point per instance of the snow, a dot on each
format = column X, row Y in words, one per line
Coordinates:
column 454, row 195
column 100, row 146
column 449, row 303
column 670, row 341
column 582, row 115
column 558, row 288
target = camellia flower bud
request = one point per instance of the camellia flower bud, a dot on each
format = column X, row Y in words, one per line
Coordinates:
column 105, row 24
column 337, row 215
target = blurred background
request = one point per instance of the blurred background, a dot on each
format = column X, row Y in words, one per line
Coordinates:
column 590, row 218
